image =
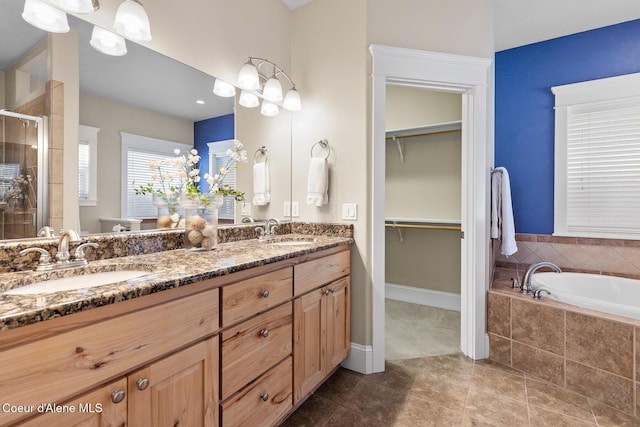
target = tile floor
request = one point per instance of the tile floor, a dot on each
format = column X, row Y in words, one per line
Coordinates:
column 444, row 390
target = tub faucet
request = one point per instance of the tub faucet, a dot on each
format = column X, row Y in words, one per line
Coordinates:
column 526, row 282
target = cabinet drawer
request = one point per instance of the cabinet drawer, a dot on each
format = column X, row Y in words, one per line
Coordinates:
column 264, row 402
column 243, row 299
column 312, row 274
column 252, row 347
column 55, row 368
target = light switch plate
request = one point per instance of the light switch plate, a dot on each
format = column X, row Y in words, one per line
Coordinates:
column 287, row 209
column 295, row 209
column 245, row 209
column 350, row 211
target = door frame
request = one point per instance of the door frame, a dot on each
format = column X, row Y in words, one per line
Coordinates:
column 470, row 77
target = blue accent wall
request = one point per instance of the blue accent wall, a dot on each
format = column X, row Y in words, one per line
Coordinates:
column 524, row 115
column 211, row 130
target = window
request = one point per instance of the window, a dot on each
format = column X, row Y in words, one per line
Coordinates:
column 218, row 158
column 87, row 165
column 597, row 158
column 137, row 152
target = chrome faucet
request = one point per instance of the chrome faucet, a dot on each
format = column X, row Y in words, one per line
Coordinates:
column 66, row 237
column 269, row 229
column 526, row 282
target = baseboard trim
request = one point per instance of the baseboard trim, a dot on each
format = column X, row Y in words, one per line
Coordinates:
column 360, row 359
column 446, row 300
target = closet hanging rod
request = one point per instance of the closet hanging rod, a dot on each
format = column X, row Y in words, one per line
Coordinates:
column 425, row 227
column 441, row 132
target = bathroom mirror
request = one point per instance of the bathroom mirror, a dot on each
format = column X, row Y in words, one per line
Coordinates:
column 110, row 101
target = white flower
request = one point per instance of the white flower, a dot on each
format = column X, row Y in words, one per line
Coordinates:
column 176, row 151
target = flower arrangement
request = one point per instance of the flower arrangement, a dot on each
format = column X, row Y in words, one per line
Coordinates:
column 18, row 190
column 180, row 176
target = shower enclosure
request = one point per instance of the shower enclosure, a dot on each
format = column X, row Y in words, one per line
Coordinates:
column 23, row 174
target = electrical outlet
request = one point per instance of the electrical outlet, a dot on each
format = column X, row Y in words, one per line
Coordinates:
column 287, row 209
column 295, row 209
column 350, row 211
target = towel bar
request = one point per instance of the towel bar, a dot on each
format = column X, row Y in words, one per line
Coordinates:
column 324, row 144
column 260, row 151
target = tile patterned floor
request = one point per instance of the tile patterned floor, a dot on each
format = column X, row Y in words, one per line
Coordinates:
column 445, row 391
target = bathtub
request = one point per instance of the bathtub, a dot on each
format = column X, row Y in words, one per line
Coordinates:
column 615, row 295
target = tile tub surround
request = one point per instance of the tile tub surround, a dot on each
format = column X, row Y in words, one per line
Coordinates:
column 585, row 351
column 114, row 245
column 167, row 270
column 601, row 256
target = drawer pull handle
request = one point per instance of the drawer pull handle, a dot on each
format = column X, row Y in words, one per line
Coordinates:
column 118, row 396
column 332, row 290
column 264, row 293
column 264, row 333
column 264, row 397
column 326, row 292
column 142, row 383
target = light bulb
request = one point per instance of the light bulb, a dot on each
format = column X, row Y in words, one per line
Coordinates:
column 248, row 99
column 44, row 16
column 248, row 77
column 107, row 42
column 224, row 89
column 132, row 21
column 269, row 109
column 292, row 100
column 272, row 90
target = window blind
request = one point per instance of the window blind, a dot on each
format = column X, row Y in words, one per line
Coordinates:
column 227, row 210
column 84, row 176
column 138, row 173
column 603, row 168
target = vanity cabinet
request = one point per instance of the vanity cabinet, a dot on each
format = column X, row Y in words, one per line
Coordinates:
column 321, row 321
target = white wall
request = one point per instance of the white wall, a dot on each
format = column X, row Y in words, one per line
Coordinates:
column 112, row 118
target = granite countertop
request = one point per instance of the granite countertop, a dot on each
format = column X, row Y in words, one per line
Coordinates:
column 167, row 270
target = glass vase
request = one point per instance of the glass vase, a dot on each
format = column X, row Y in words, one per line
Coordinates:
column 201, row 221
column 169, row 211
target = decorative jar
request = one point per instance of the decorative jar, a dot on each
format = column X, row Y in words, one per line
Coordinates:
column 169, row 211
column 201, row 220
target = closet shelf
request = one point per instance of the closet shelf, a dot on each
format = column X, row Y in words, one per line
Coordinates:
column 423, row 221
column 428, row 130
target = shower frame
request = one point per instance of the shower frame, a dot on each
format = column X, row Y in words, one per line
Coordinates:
column 42, row 126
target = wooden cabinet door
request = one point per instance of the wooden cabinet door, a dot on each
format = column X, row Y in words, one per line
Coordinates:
column 179, row 390
column 308, row 343
column 338, row 309
column 93, row 409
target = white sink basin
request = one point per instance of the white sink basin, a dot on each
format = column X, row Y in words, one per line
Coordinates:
column 76, row 282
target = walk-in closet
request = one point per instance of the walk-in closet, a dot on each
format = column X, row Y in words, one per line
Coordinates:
column 422, row 222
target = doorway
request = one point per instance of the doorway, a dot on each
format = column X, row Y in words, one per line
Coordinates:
column 422, row 222
column 468, row 76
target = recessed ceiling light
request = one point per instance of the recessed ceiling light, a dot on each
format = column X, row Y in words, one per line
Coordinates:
column 199, row 101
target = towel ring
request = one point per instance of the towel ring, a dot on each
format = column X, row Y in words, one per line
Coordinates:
column 260, row 151
column 324, row 144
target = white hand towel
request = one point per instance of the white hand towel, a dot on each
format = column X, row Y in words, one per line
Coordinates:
column 261, row 184
column 502, row 224
column 318, row 185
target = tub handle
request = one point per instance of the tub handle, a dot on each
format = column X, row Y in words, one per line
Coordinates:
column 537, row 294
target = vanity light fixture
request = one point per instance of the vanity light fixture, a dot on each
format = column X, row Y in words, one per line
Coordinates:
column 257, row 82
column 132, row 21
column 224, row 89
column 77, row 6
column 107, row 42
column 44, row 16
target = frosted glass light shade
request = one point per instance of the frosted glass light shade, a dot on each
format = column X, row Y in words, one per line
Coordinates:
column 44, row 16
column 224, row 89
column 248, row 77
column 107, row 42
column 248, row 99
column 292, row 101
column 269, row 109
column 132, row 21
column 77, row 6
column 272, row 90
